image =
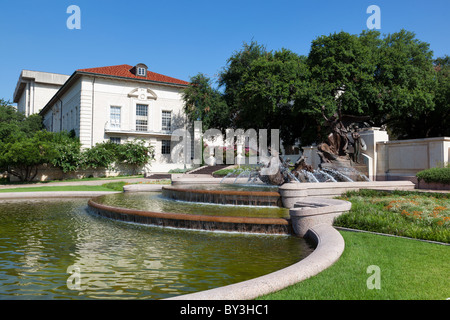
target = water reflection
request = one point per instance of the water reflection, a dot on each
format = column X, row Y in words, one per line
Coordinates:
column 39, row 240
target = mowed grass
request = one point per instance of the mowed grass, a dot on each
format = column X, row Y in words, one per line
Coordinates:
column 57, row 188
column 409, row 270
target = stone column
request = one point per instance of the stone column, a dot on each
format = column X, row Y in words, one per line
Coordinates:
column 371, row 136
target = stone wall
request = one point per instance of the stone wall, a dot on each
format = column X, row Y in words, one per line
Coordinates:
column 402, row 159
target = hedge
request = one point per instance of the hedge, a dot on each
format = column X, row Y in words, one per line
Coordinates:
column 439, row 175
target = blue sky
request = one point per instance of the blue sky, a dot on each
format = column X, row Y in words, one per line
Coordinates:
column 182, row 38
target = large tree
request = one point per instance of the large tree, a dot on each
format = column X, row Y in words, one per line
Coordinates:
column 405, row 81
column 432, row 122
column 261, row 86
column 14, row 124
column 205, row 103
column 389, row 79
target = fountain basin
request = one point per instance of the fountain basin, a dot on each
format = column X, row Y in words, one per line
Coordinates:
column 292, row 192
column 329, row 247
column 268, row 225
column 224, row 195
column 310, row 212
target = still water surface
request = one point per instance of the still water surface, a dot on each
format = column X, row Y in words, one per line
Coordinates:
column 41, row 239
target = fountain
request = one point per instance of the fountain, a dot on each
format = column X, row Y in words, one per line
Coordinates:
column 294, row 200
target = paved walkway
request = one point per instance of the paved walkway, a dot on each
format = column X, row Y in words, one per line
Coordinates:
column 73, row 183
column 65, row 194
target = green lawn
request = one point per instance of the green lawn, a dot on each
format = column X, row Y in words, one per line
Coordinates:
column 409, row 270
column 4, row 181
column 110, row 186
column 58, row 188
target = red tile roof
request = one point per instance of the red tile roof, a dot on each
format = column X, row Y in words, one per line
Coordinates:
column 124, row 70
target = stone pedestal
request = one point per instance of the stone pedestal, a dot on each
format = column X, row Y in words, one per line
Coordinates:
column 311, row 212
column 311, row 156
column 371, row 137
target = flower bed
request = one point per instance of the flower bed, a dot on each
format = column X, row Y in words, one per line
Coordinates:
column 411, row 214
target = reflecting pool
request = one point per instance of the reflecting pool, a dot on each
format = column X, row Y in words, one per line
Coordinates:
column 56, row 249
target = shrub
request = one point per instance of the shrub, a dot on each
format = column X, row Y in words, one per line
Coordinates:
column 102, row 155
column 135, row 153
column 106, row 154
column 69, row 154
column 21, row 158
column 440, row 175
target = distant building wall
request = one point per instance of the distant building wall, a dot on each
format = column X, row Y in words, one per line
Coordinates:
column 34, row 89
column 402, row 159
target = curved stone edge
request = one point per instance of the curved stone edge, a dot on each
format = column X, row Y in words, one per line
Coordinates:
column 310, row 212
column 329, row 247
column 267, row 225
column 293, row 191
column 143, row 187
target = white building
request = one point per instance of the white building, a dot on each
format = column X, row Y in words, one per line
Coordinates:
column 116, row 103
column 34, row 89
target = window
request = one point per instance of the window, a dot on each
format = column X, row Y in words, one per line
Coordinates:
column 166, row 120
column 115, row 140
column 141, row 117
column 114, row 117
column 141, row 72
column 165, row 146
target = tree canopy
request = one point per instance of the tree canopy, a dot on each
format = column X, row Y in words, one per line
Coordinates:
column 205, row 103
column 392, row 79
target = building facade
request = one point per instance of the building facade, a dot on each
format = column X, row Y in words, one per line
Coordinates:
column 118, row 104
column 34, row 89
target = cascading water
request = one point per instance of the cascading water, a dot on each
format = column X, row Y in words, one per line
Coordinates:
column 326, row 177
column 242, row 174
column 339, row 176
column 286, row 172
column 310, row 176
column 228, row 175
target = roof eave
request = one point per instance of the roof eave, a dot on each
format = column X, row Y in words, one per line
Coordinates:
column 78, row 74
column 60, row 91
column 133, row 79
